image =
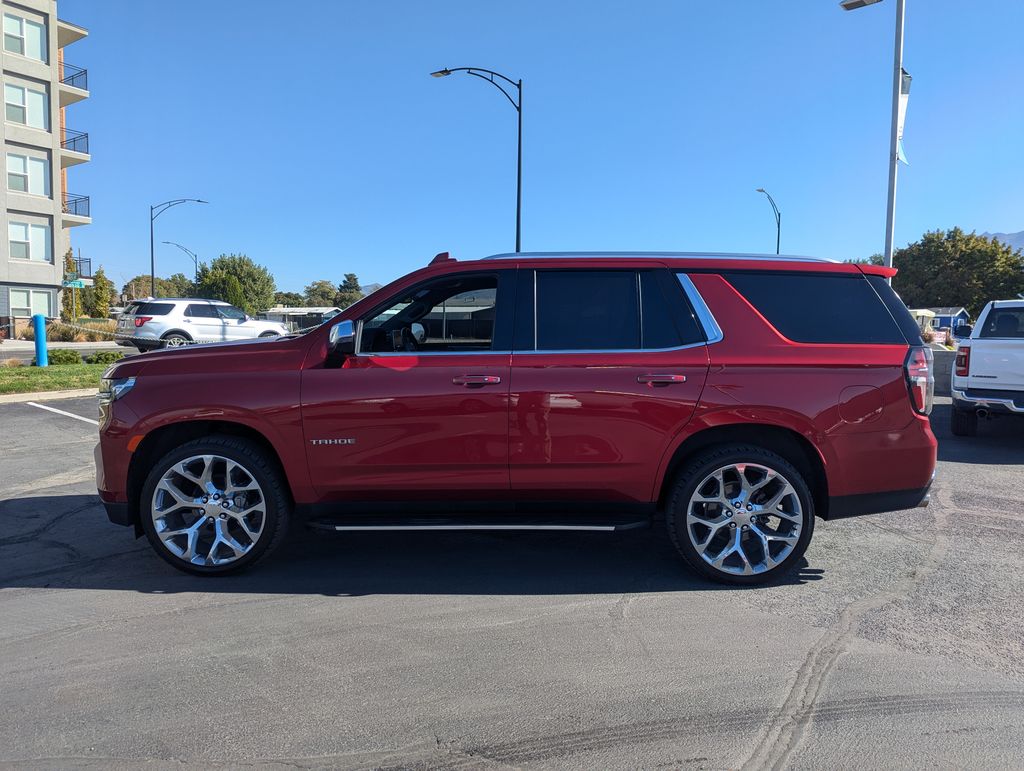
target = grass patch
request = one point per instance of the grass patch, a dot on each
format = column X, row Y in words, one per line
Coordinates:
column 20, row 380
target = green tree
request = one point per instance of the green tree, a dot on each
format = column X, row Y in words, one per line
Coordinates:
column 182, row 285
column 257, row 285
column 233, row 291
column 138, row 287
column 71, row 300
column 349, row 291
column 954, row 268
column 96, row 299
column 874, row 259
column 289, row 299
column 321, row 293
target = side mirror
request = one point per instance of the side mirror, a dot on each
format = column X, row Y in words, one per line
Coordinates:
column 342, row 338
column 964, row 330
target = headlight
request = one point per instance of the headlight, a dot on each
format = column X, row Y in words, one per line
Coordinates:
column 112, row 389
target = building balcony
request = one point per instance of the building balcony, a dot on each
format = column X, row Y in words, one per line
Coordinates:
column 74, row 84
column 68, row 33
column 75, row 210
column 83, row 267
column 74, row 148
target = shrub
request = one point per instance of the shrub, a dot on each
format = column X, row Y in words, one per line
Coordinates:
column 12, row 362
column 104, row 357
column 64, row 356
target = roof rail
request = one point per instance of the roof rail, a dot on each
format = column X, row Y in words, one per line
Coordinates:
column 642, row 255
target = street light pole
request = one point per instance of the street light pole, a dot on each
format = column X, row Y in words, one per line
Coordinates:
column 778, row 218
column 897, row 73
column 154, row 212
column 191, row 254
column 489, row 76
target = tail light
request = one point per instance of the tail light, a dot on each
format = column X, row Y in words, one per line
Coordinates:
column 963, row 361
column 920, row 378
column 140, row 320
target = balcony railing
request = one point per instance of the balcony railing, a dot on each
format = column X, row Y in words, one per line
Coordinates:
column 77, row 205
column 83, row 267
column 73, row 76
column 75, row 141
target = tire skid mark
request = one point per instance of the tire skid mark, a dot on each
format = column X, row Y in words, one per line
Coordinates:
column 513, row 754
column 788, row 728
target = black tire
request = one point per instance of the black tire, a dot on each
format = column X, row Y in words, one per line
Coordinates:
column 695, row 472
column 963, row 423
column 175, row 339
column 263, row 470
column 141, row 349
column 270, row 334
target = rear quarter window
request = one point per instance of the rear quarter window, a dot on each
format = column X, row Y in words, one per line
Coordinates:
column 820, row 307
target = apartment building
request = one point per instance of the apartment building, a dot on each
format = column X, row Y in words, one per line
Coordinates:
column 40, row 146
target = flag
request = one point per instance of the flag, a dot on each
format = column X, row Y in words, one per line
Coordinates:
column 902, row 113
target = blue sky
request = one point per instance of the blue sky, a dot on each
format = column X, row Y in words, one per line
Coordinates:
column 324, row 146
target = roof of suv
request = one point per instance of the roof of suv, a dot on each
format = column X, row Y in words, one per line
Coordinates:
column 179, row 300
column 718, row 260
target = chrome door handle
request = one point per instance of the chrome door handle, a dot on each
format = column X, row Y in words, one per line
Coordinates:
column 660, row 379
column 476, row 380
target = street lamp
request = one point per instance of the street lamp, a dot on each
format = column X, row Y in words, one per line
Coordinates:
column 154, row 212
column 490, row 76
column 897, row 78
column 191, row 254
column 778, row 215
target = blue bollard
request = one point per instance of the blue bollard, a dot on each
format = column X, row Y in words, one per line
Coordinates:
column 39, row 327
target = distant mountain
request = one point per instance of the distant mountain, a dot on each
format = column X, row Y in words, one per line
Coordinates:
column 1016, row 240
column 371, row 288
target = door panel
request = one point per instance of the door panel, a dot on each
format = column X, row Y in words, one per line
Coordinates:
column 408, row 425
column 583, row 425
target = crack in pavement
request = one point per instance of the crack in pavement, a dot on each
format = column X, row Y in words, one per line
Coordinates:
column 788, row 728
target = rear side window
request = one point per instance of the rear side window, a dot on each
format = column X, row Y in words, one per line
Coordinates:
column 202, row 311
column 587, row 310
column 149, row 309
column 1004, row 322
column 819, row 308
column 666, row 318
column 900, row 313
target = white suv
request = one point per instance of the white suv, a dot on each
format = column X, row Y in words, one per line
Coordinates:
column 173, row 321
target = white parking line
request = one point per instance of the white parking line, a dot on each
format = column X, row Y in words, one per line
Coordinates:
column 61, row 412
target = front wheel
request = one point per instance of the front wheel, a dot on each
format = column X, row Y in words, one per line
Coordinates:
column 214, row 506
column 740, row 514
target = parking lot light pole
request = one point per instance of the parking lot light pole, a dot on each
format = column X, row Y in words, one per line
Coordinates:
column 489, row 76
column 897, row 72
column 778, row 218
column 154, row 212
column 190, row 253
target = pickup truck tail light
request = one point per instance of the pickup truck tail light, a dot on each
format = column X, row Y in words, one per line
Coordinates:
column 963, row 361
column 140, row 320
column 920, row 378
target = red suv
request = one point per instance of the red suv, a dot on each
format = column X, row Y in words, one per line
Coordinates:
column 735, row 397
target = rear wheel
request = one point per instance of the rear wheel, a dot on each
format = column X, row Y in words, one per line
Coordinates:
column 175, row 340
column 963, row 423
column 214, row 506
column 740, row 514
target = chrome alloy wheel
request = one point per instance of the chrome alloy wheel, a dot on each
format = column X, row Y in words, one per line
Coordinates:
column 175, row 341
column 744, row 519
column 208, row 510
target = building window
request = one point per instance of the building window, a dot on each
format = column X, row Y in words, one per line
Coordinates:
column 26, row 174
column 27, row 106
column 28, row 241
column 28, row 302
column 24, row 37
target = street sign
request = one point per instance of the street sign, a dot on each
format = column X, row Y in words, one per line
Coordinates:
column 76, row 284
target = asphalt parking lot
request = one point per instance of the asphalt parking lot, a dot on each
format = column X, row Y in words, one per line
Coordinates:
column 900, row 642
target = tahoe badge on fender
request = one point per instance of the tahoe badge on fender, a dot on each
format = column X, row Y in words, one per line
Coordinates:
column 345, row 440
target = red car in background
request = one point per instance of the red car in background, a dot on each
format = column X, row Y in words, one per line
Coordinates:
column 736, row 398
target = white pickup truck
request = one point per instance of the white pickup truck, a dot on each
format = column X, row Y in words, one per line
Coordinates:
column 988, row 374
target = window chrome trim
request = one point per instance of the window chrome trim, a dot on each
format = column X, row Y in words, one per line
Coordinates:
column 372, row 354
column 614, row 350
column 712, row 331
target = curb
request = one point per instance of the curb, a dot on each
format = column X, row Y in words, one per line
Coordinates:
column 39, row 396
